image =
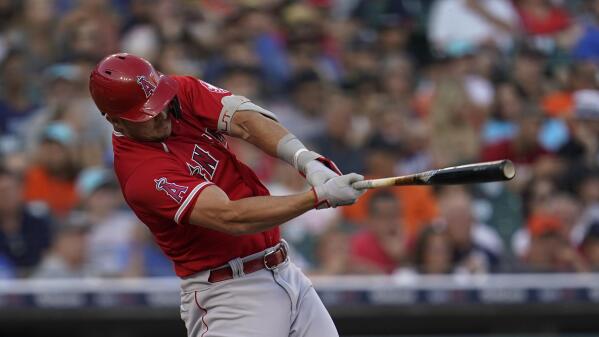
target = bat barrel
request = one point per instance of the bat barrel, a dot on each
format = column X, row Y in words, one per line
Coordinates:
column 471, row 174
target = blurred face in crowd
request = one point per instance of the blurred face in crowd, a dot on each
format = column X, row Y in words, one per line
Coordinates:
column 567, row 209
column 589, row 190
column 333, row 252
column 527, row 68
column 509, row 105
column 242, row 83
column 542, row 251
column 437, row 254
column 456, row 210
column 55, row 157
column 70, row 246
column 103, row 200
column 10, row 186
column 380, row 163
column 384, row 217
column 156, row 129
column 339, row 117
column 309, row 97
column 540, row 194
column 545, row 250
column 39, row 12
column 529, row 126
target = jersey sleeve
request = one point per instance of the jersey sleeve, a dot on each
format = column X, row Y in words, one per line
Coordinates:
column 161, row 188
column 205, row 101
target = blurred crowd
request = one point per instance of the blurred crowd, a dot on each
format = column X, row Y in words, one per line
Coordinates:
column 382, row 87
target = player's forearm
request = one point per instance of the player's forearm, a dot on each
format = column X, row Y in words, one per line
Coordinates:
column 214, row 210
column 258, row 130
column 257, row 214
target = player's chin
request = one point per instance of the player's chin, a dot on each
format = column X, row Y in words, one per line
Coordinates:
column 157, row 136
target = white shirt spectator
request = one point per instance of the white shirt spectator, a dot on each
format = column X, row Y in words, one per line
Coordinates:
column 454, row 21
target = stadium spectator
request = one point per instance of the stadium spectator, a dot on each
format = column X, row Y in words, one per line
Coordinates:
column 416, row 204
column 542, row 17
column 548, row 250
column 507, row 108
column 302, row 114
column 337, row 142
column 486, row 22
column 590, row 247
column 477, row 248
column 524, row 148
column 382, row 246
column 25, row 229
column 583, row 145
column 67, row 257
column 495, row 79
column 452, row 118
column 111, row 238
column 51, row 178
column 526, row 73
column 565, row 208
column 433, row 253
column 17, row 105
column 586, row 46
column 333, row 254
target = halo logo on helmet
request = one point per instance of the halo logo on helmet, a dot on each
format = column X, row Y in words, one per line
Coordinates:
column 147, row 86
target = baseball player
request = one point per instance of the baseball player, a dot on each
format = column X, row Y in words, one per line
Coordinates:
column 208, row 211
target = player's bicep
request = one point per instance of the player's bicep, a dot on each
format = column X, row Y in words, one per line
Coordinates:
column 212, row 209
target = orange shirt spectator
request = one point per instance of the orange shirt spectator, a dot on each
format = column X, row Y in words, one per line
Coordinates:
column 418, row 208
column 52, row 178
column 59, row 194
column 558, row 104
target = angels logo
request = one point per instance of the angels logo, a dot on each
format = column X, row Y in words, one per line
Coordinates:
column 213, row 88
column 173, row 190
column 147, row 86
column 206, row 164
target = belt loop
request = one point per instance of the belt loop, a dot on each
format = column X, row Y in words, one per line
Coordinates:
column 236, row 268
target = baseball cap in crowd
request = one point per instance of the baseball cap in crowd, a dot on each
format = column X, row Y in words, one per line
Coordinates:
column 542, row 224
column 59, row 132
column 92, row 179
column 63, row 71
column 586, row 104
column 459, row 48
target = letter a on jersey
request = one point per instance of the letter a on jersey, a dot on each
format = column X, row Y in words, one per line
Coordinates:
column 171, row 189
column 147, row 86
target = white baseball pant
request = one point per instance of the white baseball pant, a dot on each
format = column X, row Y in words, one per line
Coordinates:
column 276, row 303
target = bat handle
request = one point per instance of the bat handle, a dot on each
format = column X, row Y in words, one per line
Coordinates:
column 375, row 183
column 361, row 185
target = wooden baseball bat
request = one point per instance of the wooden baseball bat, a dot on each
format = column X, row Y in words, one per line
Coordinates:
column 464, row 174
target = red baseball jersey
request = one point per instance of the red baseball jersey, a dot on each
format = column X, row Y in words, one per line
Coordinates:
column 161, row 181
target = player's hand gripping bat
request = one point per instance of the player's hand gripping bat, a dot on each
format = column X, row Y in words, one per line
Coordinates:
column 464, row 174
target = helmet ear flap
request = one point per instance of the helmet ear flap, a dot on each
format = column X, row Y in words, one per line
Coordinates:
column 175, row 108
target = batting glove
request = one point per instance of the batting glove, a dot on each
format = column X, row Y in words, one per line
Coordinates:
column 337, row 191
column 316, row 168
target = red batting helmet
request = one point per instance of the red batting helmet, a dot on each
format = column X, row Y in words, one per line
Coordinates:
column 128, row 87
